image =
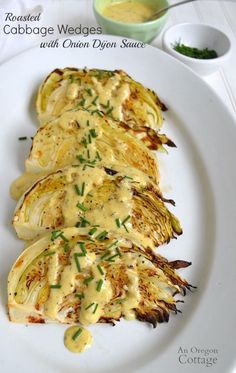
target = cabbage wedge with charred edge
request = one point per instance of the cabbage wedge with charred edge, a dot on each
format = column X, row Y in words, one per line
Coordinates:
column 78, row 136
column 68, row 278
column 114, row 93
column 121, row 200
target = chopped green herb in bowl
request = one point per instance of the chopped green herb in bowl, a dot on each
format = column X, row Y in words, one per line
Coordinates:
column 202, row 54
column 201, row 47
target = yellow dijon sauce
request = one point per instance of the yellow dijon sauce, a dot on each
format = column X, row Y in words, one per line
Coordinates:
column 22, row 183
column 66, row 280
column 77, row 339
column 103, row 214
column 113, row 92
column 95, row 298
column 105, row 94
column 128, row 11
column 98, row 291
column 118, row 205
column 132, row 298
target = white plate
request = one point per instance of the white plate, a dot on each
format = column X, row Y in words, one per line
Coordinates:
column 201, row 178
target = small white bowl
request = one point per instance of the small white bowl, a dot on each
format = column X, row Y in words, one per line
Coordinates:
column 199, row 36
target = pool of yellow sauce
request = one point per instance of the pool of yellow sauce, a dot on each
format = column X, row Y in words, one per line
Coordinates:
column 77, row 339
column 128, row 12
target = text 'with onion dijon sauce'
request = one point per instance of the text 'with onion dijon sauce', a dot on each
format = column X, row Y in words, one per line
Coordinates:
column 128, row 12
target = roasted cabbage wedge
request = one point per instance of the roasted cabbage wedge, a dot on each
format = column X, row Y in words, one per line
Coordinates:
column 113, row 93
column 67, row 277
column 121, row 199
column 80, row 136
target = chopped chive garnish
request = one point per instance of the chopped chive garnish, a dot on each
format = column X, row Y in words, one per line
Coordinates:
column 88, row 153
column 22, row 138
column 91, row 305
column 100, row 269
column 81, row 207
column 118, row 222
column 97, row 112
column 189, row 51
column 109, row 110
column 107, row 105
column 98, row 156
column 77, row 334
column 89, row 91
column 128, row 177
column 82, row 246
column 92, row 231
column 88, row 165
column 82, row 189
column 95, row 308
column 77, row 189
column 112, row 244
column 66, row 247
column 82, row 223
column 77, row 124
column 93, row 132
column 79, row 295
column 84, row 142
column 83, row 253
column 101, row 236
column 81, row 158
column 111, row 258
column 90, row 239
column 77, row 262
column 57, row 286
column 125, row 220
column 82, row 102
column 94, row 100
column 99, row 285
column 50, row 253
column 83, row 250
column 89, row 139
column 63, row 237
column 88, row 280
column 118, row 251
column 107, row 253
column 57, row 234
column 88, row 123
column 91, row 162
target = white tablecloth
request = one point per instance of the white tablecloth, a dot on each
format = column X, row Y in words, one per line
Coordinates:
column 221, row 14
